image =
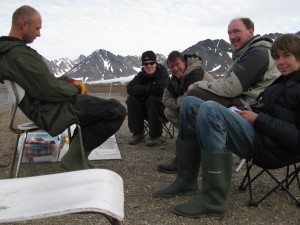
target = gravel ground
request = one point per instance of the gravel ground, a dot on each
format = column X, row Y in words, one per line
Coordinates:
column 138, row 170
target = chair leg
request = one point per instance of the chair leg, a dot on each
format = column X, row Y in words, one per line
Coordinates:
column 297, row 176
column 284, row 184
column 13, row 161
column 167, row 129
column 146, row 128
column 81, row 146
column 242, row 161
column 21, row 155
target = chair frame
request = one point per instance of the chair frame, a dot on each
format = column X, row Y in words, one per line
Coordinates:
column 165, row 128
column 285, row 183
column 17, row 93
column 37, row 197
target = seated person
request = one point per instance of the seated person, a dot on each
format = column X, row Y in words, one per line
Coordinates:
column 185, row 69
column 144, row 101
column 244, row 79
column 270, row 133
column 54, row 104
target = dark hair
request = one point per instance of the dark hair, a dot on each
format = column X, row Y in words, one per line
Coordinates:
column 248, row 22
column 286, row 43
column 173, row 56
column 22, row 12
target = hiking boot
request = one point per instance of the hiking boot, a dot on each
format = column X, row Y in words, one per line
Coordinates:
column 136, row 139
column 153, row 141
column 170, row 167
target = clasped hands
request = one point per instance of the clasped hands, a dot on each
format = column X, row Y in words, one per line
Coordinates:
column 246, row 114
column 80, row 85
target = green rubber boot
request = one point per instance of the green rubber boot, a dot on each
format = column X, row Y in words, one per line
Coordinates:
column 72, row 160
column 216, row 180
column 188, row 162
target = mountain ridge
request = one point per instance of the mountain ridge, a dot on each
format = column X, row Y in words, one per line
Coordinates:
column 102, row 65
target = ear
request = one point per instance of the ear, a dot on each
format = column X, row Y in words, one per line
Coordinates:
column 24, row 25
column 251, row 30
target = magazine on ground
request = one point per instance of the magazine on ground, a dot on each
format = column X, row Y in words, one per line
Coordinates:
column 108, row 150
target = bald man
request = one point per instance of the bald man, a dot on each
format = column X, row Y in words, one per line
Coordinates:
column 54, row 104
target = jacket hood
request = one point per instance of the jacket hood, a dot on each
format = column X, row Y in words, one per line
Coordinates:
column 192, row 62
column 254, row 41
column 7, row 43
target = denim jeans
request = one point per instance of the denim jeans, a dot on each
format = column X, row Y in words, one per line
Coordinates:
column 216, row 128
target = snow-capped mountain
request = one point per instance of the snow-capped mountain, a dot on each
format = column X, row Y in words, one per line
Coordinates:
column 103, row 66
column 60, row 66
column 216, row 55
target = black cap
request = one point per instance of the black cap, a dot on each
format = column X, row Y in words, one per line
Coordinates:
column 148, row 56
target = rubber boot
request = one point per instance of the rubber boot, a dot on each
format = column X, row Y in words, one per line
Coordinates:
column 216, row 180
column 188, row 162
column 72, row 160
column 170, row 167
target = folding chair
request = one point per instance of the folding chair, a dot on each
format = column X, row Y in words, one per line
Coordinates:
column 17, row 93
column 85, row 191
column 167, row 127
column 291, row 176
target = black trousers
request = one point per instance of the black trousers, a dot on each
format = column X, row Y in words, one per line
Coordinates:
column 99, row 119
column 140, row 109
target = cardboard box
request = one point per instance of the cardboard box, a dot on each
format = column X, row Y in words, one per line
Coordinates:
column 41, row 147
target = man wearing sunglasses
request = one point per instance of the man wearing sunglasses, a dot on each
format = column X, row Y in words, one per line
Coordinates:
column 144, row 100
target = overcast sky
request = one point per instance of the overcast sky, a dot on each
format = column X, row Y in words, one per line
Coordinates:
column 127, row 27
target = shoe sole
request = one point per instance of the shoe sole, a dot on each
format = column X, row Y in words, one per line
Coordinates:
column 213, row 216
column 189, row 193
column 166, row 171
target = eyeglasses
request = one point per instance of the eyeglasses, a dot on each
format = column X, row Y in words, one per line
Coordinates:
column 148, row 63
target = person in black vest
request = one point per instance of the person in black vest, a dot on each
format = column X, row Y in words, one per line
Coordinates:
column 144, row 101
column 270, row 133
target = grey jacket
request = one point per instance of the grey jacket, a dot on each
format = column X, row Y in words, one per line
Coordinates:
column 252, row 71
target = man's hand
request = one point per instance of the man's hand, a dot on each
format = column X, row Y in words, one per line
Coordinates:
column 191, row 87
column 79, row 85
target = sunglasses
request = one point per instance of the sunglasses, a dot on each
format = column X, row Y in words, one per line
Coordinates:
column 148, row 63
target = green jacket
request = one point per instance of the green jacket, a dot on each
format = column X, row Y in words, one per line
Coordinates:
column 47, row 98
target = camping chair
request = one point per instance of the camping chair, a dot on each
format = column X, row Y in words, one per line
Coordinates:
column 291, row 176
column 167, row 127
column 17, row 93
column 84, row 191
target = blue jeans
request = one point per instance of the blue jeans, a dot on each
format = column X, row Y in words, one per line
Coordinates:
column 216, row 128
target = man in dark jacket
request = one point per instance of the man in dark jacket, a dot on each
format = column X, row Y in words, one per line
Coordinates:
column 144, row 100
column 52, row 103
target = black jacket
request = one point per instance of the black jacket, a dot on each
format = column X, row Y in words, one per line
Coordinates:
column 277, row 127
column 144, row 85
column 178, row 87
